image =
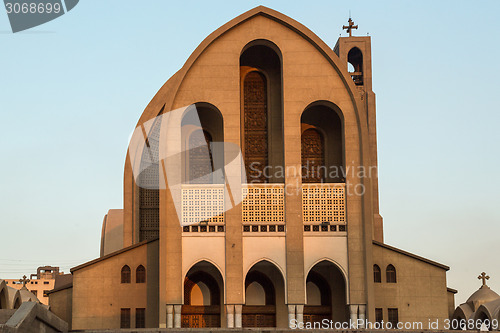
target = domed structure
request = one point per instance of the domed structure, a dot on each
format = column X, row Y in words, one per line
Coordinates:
column 482, row 305
column 482, row 296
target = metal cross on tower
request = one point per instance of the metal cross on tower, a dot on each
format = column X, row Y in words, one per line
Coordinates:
column 483, row 277
column 350, row 27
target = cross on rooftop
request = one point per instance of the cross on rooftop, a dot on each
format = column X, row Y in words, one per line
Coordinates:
column 350, row 27
column 24, row 280
column 483, row 277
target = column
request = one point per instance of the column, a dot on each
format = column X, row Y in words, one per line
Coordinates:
column 230, row 315
column 354, row 314
column 291, row 314
column 238, row 309
column 170, row 316
column 299, row 313
column 362, row 315
column 177, row 316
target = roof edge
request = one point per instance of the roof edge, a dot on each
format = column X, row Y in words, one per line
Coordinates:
column 125, row 249
column 66, row 286
column 411, row 255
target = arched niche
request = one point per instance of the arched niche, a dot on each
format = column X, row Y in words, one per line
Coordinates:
column 262, row 111
column 202, row 160
column 355, row 60
column 322, row 144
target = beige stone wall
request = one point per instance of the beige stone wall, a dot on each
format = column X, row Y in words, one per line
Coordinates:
column 98, row 294
column 112, row 232
column 308, row 76
column 420, row 293
column 61, row 303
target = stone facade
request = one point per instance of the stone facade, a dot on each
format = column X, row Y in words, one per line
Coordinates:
column 305, row 248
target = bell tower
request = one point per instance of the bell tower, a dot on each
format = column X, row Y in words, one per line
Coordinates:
column 355, row 53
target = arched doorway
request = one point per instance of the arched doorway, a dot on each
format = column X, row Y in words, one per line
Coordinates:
column 264, row 297
column 326, row 294
column 202, row 296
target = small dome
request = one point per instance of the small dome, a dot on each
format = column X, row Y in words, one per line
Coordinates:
column 482, row 296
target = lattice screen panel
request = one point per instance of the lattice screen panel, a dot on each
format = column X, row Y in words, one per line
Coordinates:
column 202, row 204
column 323, row 203
column 263, row 204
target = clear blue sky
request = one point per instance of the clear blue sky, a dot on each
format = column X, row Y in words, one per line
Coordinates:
column 72, row 90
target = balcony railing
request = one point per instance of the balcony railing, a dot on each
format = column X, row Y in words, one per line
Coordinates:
column 263, row 203
column 323, row 203
column 202, row 203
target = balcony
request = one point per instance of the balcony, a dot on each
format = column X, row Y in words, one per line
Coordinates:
column 263, row 208
column 323, row 207
column 203, row 204
column 263, row 204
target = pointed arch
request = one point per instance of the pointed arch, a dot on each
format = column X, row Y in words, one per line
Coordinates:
column 377, row 274
column 266, row 311
column 202, row 297
column 140, row 274
column 4, row 304
column 125, row 274
column 331, row 281
column 390, row 272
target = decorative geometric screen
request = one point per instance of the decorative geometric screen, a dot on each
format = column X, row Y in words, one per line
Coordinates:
column 313, row 157
column 263, row 204
column 148, row 182
column 255, row 126
column 323, row 203
column 202, row 204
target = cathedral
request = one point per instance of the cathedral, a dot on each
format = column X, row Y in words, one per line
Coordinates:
column 251, row 197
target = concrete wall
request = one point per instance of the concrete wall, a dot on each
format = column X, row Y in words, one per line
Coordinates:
column 98, row 294
column 61, row 303
column 420, row 293
column 112, row 232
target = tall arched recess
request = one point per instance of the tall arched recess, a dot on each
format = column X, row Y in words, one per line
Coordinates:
column 201, row 126
column 322, row 143
column 261, row 78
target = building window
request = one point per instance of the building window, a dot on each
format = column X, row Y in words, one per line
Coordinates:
column 34, row 292
column 391, row 274
column 45, row 282
column 125, row 274
column 125, row 318
column 140, row 274
column 379, row 315
column 377, row 274
column 393, row 317
column 140, row 318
